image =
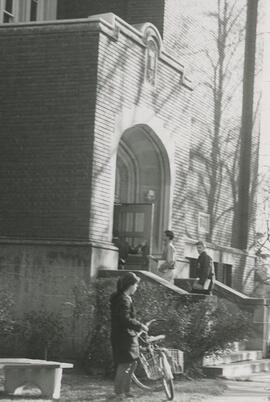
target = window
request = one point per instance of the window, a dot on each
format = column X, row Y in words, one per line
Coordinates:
column 216, row 269
column 27, row 10
column 33, row 10
column 40, row 10
column 203, row 223
column 7, row 14
column 224, row 273
column 192, row 267
column 227, row 274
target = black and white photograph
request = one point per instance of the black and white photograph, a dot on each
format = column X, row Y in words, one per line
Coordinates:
column 135, row 200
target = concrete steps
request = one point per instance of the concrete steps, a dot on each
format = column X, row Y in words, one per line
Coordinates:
column 233, row 357
column 236, row 364
column 238, row 369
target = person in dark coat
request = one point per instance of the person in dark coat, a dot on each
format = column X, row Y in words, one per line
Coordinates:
column 124, row 329
column 123, row 250
column 205, row 271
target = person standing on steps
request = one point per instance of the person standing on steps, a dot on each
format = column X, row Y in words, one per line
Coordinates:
column 124, row 329
column 205, row 271
column 166, row 264
column 123, row 250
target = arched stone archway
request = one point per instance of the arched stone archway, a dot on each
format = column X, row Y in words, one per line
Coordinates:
column 143, row 177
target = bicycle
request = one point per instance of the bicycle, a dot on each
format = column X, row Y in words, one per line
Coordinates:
column 153, row 365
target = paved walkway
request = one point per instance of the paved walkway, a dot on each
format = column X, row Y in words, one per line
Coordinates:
column 82, row 388
column 253, row 389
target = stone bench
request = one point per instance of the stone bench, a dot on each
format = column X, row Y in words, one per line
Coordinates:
column 46, row 375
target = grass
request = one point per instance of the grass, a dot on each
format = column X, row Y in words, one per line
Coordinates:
column 78, row 387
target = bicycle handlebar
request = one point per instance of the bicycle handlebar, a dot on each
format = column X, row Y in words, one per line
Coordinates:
column 148, row 325
column 151, row 339
column 150, row 322
column 156, row 338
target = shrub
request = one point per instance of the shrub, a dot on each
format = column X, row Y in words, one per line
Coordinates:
column 199, row 329
column 7, row 322
column 42, row 333
column 6, row 314
column 79, row 312
column 211, row 330
column 99, row 354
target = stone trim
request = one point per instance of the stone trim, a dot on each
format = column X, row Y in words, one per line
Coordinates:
column 216, row 247
column 111, row 25
column 41, row 242
column 146, row 275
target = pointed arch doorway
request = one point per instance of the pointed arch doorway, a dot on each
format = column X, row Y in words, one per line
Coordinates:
column 142, row 194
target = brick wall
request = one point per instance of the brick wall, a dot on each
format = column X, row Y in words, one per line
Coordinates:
column 48, row 87
column 243, row 279
column 52, row 279
column 190, row 31
column 83, row 8
column 139, row 11
column 121, row 84
column 57, row 125
column 132, row 11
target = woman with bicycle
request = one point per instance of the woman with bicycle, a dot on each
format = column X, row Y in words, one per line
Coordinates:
column 124, row 333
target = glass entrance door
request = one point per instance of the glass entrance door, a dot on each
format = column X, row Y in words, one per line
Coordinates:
column 133, row 223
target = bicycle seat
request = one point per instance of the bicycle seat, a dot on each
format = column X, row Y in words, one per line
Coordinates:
column 156, row 338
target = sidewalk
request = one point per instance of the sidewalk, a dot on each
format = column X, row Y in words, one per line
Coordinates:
column 253, row 389
column 78, row 387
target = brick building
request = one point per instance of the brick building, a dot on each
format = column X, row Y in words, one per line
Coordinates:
column 121, row 115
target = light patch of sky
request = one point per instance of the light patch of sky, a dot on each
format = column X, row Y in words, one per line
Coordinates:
column 265, row 118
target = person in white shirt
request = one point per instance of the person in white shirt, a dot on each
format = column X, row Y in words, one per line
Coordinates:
column 166, row 264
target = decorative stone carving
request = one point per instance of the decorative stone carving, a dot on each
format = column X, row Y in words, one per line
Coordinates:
column 151, row 63
column 153, row 43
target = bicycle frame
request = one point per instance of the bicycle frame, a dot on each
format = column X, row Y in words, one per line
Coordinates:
column 156, row 351
column 154, row 361
column 167, row 368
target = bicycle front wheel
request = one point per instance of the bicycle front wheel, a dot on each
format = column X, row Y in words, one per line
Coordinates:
column 167, row 378
column 142, row 380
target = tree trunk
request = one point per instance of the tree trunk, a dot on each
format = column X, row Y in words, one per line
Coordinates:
column 242, row 218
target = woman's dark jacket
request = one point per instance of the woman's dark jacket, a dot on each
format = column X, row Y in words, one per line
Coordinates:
column 204, row 267
column 124, row 328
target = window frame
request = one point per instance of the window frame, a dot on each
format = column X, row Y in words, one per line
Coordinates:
column 36, row 10
column 21, row 11
column 203, row 223
column 4, row 12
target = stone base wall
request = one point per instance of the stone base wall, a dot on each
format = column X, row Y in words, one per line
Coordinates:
column 56, row 278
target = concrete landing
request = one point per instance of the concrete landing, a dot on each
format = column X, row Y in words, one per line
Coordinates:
column 255, row 388
column 233, row 357
column 238, row 369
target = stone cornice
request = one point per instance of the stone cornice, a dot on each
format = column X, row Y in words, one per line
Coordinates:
column 109, row 24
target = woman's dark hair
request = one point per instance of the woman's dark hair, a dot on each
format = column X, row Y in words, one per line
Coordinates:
column 169, row 234
column 127, row 280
